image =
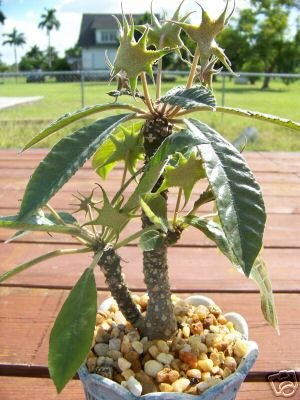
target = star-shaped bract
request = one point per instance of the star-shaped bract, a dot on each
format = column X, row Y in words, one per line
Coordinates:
column 185, row 175
column 167, row 34
column 125, row 145
column 204, row 35
column 109, row 216
column 134, row 57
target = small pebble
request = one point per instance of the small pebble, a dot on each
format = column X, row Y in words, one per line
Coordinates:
column 165, row 387
column 180, row 385
column 146, row 382
column 101, row 349
column 163, row 346
column 152, row 367
column 119, row 318
column 230, row 363
column 127, row 373
column 202, row 386
column 123, row 364
column 205, row 365
column 193, row 373
column 153, row 350
column 105, row 371
column 134, row 386
column 114, row 344
column 186, row 331
column 240, row 348
column 165, row 358
column 137, row 346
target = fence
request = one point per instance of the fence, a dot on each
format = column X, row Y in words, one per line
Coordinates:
column 85, row 77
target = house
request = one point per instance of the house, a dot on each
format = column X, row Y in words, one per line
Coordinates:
column 98, row 34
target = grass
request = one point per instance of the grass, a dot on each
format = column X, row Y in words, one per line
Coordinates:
column 21, row 123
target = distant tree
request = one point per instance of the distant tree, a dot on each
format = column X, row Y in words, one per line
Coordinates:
column 15, row 39
column 49, row 22
column 2, row 16
column 33, row 59
column 258, row 39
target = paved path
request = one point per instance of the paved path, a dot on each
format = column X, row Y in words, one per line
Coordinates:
column 7, row 102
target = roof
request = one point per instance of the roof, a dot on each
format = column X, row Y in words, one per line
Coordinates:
column 90, row 22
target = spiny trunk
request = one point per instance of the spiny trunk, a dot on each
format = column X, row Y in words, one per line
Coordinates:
column 110, row 264
column 160, row 321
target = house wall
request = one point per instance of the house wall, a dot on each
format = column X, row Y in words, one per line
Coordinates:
column 94, row 58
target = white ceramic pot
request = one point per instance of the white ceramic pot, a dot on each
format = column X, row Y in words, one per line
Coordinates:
column 97, row 387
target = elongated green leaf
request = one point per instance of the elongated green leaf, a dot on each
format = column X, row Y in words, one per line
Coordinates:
column 66, row 157
column 72, row 333
column 65, row 216
column 155, row 207
column 68, row 118
column 190, row 98
column 12, row 222
column 238, row 197
column 24, row 266
column 260, row 276
column 259, row 273
column 151, row 240
column 287, row 123
column 175, row 143
column 213, row 231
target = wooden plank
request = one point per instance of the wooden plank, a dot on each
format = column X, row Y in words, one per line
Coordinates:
column 204, row 268
column 18, row 388
column 282, row 230
column 27, row 317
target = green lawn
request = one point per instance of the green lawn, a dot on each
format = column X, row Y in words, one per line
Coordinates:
column 21, row 123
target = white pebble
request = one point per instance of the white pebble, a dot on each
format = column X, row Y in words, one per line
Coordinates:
column 137, row 346
column 180, row 385
column 165, row 358
column 202, row 386
column 123, row 364
column 152, row 367
column 134, row 386
column 119, row 318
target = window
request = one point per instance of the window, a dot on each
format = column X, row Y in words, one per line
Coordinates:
column 106, row 36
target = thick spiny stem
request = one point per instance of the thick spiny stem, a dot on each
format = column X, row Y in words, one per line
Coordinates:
column 110, row 264
column 160, row 321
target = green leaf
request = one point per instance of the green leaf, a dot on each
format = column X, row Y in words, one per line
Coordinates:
column 178, row 142
column 188, row 99
column 65, row 216
column 56, row 253
column 72, row 333
column 155, row 207
column 287, row 123
column 68, row 118
column 151, row 240
column 260, row 276
column 41, row 225
column 124, row 145
column 185, row 175
column 259, row 273
column 66, row 157
column 238, row 196
column 213, row 231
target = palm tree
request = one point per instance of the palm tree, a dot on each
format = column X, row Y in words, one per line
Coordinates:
column 15, row 39
column 49, row 22
column 2, row 16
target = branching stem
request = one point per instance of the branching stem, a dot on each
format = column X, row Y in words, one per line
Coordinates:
column 146, row 93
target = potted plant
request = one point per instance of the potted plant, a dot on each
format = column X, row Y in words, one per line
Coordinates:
column 155, row 342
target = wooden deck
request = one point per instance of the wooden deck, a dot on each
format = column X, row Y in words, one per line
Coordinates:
column 30, row 301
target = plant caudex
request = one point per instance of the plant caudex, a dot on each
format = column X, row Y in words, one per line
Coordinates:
column 178, row 153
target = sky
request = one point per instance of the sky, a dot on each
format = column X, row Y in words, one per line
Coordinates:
column 25, row 16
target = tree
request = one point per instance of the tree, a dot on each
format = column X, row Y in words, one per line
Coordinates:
column 33, row 59
column 49, row 22
column 2, row 16
column 259, row 39
column 15, row 39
